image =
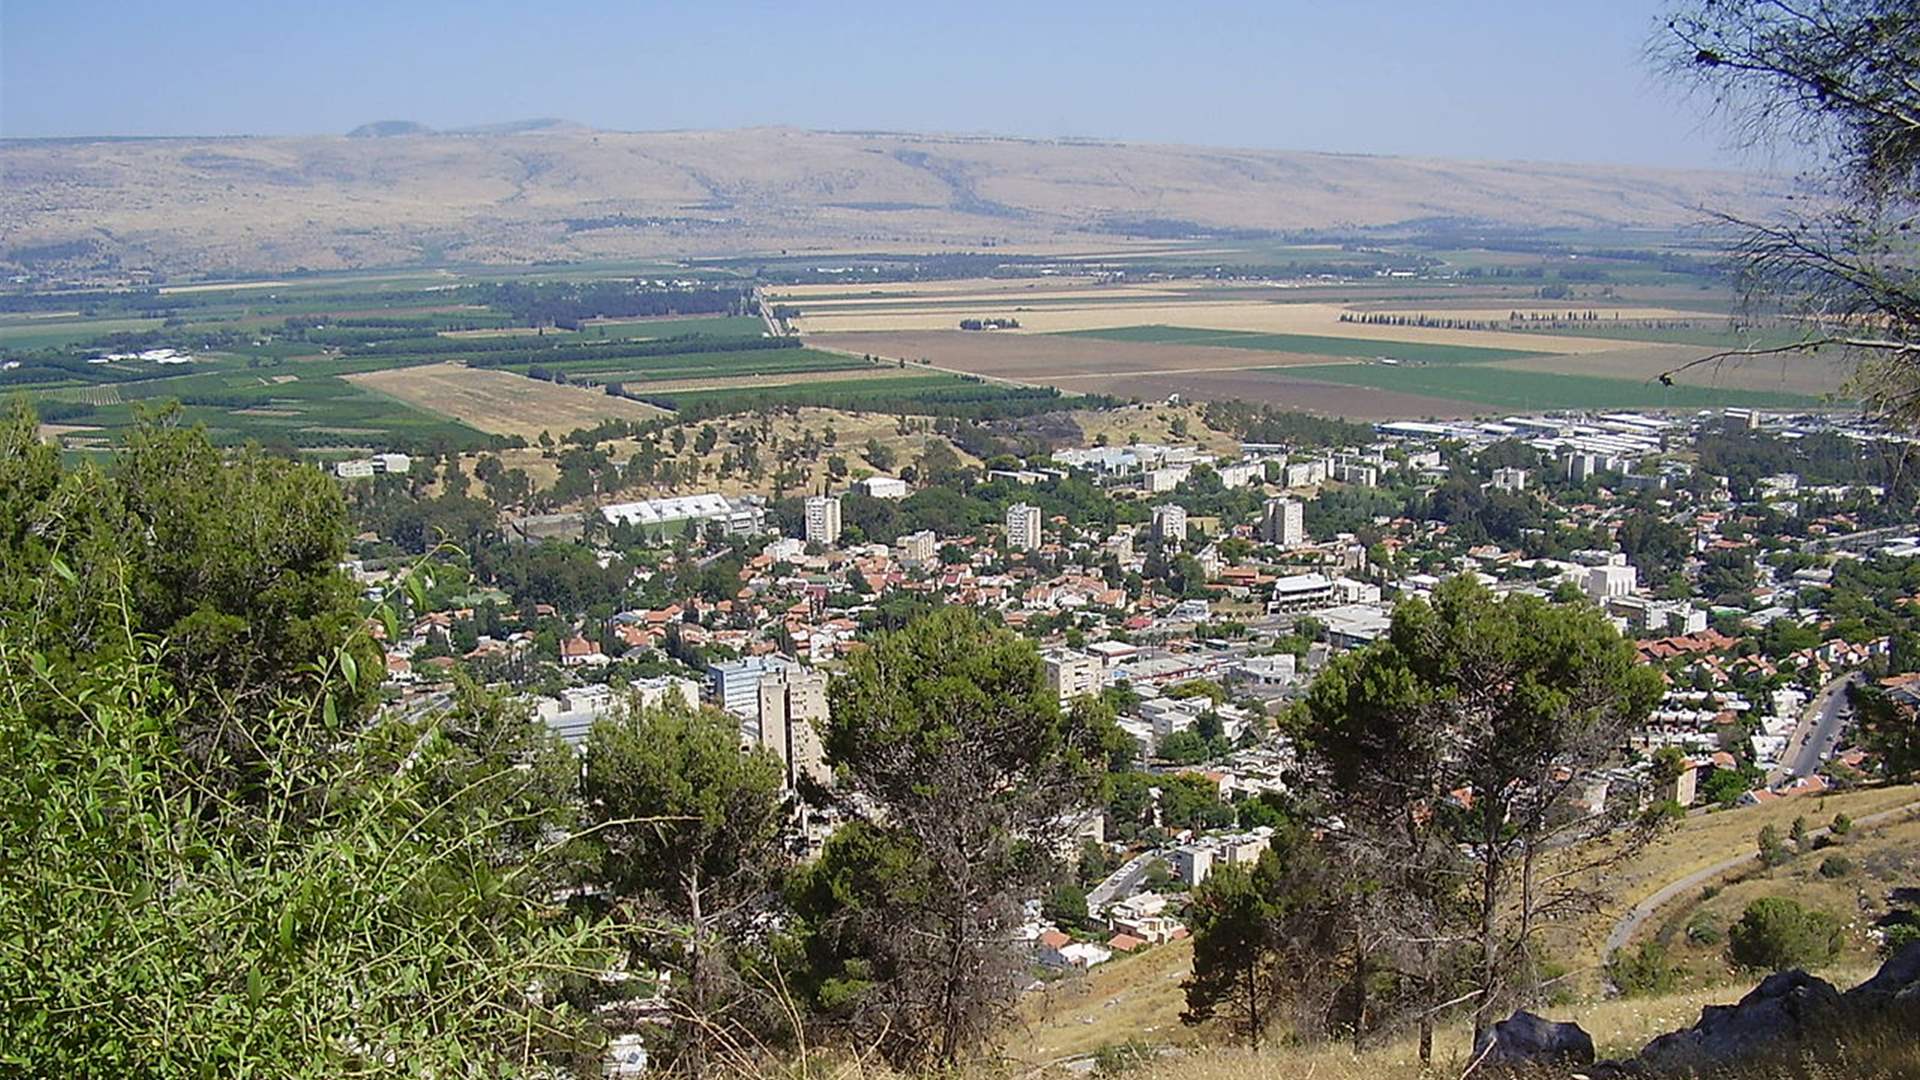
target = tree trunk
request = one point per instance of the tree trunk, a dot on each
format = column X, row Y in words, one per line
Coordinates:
column 1253, row 1004
column 693, row 1040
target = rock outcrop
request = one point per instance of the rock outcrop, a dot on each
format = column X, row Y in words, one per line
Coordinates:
column 1787, row 1009
column 1525, row 1039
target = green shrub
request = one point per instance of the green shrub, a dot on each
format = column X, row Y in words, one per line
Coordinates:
column 1776, row 933
column 1842, row 825
column 1899, row 936
column 1642, row 972
column 1703, row 929
column 1836, row 866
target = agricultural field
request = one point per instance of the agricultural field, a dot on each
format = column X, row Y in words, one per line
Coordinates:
column 1376, row 350
column 1312, row 344
column 499, row 402
column 1509, row 388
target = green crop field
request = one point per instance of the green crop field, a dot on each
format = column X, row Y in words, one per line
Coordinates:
column 712, row 365
column 1311, row 344
column 1510, row 389
column 929, row 395
column 1710, row 333
column 725, row 326
column 49, row 333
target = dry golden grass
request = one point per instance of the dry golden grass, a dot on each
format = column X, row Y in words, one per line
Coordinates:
column 1154, row 424
column 851, row 432
column 501, row 402
column 1699, row 843
column 1139, row 998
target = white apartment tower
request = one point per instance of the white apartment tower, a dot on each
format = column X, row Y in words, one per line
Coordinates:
column 1169, row 523
column 823, row 520
column 1284, row 523
column 793, row 708
column 1023, row 527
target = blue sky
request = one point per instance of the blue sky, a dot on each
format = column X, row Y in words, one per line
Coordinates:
column 1539, row 80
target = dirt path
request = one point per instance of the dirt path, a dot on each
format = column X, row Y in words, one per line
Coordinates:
column 1630, row 923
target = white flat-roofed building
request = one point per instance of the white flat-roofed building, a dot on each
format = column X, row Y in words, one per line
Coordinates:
column 1614, row 579
column 1305, row 474
column 917, row 549
column 883, row 487
column 1073, row 674
column 738, row 516
column 1300, row 592
column 734, row 685
column 1242, row 474
column 1509, row 479
column 792, row 710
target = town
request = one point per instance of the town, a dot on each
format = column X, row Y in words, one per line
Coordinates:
column 1754, row 559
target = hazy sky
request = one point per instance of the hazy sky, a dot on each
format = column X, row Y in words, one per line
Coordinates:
column 1532, row 79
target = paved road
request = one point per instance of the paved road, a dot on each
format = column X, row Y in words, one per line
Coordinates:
column 1818, row 731
column 1122, row 882
column 1631, row 922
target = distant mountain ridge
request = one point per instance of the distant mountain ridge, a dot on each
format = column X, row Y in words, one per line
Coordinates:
column 398, row 193
column 381, row 129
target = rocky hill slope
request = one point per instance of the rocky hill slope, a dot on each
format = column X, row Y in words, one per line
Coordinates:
column 550, row 190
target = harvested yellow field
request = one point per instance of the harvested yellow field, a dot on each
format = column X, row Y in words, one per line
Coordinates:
column 1254, row 316
column 501, row 402
column 954, row 287
column 853, row 303
column 1603, row 313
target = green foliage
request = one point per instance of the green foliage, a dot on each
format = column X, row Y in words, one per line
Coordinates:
column 965, row 773
column 1725, row 786
column 1836, row 866
column 1235, row 949
column 1899, row 936
column 1776, row 933
column 229, row 557
column 1509, row 698
column 1842, row 824
column 1066, row 905
column 690, row 831
column 1643, row 972
column 1773, row 852
column 1703, row 929
column 353, row 917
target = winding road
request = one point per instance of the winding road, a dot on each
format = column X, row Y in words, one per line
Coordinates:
column 1630, row 923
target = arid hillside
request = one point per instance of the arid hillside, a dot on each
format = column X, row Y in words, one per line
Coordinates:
column 194, row 206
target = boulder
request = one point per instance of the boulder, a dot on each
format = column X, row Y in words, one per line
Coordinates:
column 1785, row 1007
column 1897, row 980
column 1524, row 1039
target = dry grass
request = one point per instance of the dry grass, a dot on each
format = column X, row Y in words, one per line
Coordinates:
column 501, row 402
column 1699, row 843
column 851, row 433
column 1154, row 424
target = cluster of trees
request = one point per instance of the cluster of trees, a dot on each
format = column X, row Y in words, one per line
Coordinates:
column 1451, row 755
column 567, row 304
column 195, row 766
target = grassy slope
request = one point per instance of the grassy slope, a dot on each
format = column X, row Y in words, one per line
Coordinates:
column 1139, row 998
